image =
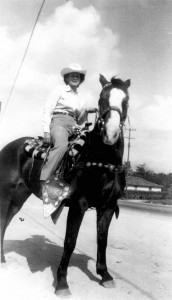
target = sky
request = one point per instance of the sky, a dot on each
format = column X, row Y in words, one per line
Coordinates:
column 130, row 39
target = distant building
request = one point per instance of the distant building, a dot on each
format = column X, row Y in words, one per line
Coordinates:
column 169, row 192
column 139, row 188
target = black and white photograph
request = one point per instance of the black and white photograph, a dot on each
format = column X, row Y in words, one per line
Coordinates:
column 85, row 149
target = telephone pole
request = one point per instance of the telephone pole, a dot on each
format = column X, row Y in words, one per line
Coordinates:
column 128, row 154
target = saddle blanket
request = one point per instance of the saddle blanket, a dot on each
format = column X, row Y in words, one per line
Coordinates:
column 35, row 147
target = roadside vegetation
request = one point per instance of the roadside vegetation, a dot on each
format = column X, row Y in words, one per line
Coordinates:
column 162, row 179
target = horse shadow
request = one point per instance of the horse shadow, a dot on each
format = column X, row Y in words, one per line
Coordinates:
column 42, row 253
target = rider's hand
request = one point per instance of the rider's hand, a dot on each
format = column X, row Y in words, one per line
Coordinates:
column 91, row 110
column 47, row 138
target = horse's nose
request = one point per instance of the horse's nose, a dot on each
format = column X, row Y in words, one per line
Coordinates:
column 108, row 141
column 116, row 135
column 112, row 140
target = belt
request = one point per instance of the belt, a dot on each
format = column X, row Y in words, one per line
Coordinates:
column 63, row 113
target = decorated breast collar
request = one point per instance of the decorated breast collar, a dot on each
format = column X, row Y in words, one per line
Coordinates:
column 110, row 167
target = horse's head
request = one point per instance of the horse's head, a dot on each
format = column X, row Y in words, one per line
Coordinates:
column 113, row 106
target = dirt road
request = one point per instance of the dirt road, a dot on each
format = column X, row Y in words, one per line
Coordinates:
column 139, row 256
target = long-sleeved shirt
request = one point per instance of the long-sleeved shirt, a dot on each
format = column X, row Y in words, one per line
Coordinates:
column 64, row 99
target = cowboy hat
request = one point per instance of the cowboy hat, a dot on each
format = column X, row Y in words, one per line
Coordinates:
column 73, row 68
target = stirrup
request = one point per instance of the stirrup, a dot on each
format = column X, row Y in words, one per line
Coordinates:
column 54, row 193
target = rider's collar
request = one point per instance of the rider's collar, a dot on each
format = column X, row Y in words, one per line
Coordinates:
column 69, row 89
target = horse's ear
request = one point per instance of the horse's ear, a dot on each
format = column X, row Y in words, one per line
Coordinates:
column 127, row 83
column 102, row 80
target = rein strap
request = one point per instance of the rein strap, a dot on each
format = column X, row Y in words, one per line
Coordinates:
column 115, row 108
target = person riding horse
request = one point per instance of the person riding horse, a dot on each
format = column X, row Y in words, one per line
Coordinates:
column 98, row 176
column 64, row 109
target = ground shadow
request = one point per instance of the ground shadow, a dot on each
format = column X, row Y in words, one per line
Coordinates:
column 42, row 253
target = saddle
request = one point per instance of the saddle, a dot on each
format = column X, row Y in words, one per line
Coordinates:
column 37, row 149
column 55, row 190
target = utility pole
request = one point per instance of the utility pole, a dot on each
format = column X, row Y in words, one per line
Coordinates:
column 128, row 154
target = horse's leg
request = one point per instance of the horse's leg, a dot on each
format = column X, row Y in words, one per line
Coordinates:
column 74, row 220
column 104, row 217
column 4, row 216
column 10, row 205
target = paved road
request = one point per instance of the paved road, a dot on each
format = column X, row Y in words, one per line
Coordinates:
column 139, row 256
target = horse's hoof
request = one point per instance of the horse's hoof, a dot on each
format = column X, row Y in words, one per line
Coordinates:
column 64, row 293
column 108, row 284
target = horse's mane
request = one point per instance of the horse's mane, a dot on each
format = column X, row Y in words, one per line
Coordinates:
column 117, row 82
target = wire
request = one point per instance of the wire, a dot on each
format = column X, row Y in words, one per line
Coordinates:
column 15, row 79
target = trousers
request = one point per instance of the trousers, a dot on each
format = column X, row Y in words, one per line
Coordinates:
column 61, row 128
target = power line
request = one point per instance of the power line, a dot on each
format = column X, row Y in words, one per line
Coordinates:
column 128, row 154
column 15, row 79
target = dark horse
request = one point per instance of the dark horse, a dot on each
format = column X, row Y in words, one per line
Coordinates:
column 98, row 179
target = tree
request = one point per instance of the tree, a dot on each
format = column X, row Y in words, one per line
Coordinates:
column 159, row 178
column 141, row 171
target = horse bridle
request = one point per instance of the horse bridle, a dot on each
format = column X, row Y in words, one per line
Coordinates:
column 102, row 115
column 108, row 109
